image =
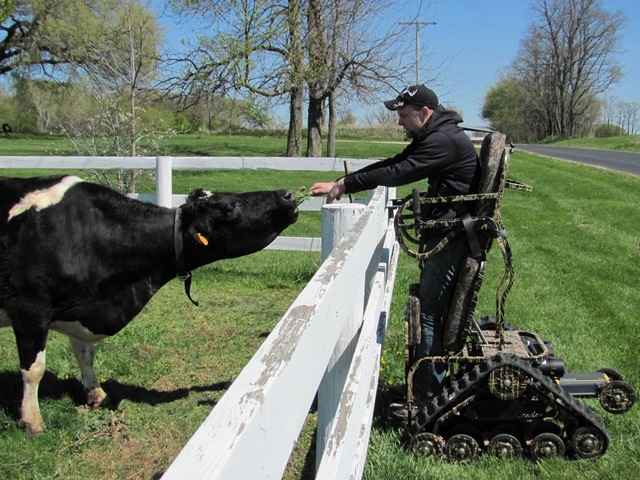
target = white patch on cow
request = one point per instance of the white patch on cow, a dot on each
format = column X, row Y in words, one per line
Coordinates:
column 5, row 321
column 40, row 199
column 77, row 331
column 30, row 411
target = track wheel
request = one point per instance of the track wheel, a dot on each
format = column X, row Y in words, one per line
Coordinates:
column 507, row 382
column 504, row 445
column 428, row 445
column 547, row 445
column 462, row 448
column 587, row 442
column 617, row 396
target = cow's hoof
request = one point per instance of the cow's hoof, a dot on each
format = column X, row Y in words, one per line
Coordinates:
column 97, row 398
column 33, row 428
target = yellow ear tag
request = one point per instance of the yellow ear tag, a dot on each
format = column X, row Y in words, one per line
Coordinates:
column 202, row 239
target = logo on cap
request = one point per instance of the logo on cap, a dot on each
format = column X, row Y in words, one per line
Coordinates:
column 409, row 92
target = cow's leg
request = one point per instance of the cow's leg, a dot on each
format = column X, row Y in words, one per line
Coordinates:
column 32, row 354
column 84, row 352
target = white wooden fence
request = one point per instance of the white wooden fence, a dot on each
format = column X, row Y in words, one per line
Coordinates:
column 328, row 342
column 164, row 167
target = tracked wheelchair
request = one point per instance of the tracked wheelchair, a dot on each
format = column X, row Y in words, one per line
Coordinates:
column 506, row 393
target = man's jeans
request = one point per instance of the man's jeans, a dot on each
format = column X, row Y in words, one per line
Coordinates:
column 437, row 284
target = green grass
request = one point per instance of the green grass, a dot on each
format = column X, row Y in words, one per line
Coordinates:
column 204, row 145
column 627, row 143
column 577, row 257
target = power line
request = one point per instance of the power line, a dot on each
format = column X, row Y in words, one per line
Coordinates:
column 418, row 24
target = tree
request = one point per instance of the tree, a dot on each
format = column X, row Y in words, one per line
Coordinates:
column 127, row 61
column 251, row 47
column 125, row 64
column 276, row 49
column 6, row 7
column 382, row 116
column 296, row 90
column 318, row 72
column 49, row 102
column 348, row 53
column 570, row 47
column 566, row 60
column 505, row 105
column 50, row 33
column 629, row 117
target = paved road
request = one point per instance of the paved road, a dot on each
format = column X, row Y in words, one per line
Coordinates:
column 626, row 162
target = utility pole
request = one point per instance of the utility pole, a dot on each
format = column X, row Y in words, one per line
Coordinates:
column 418, row 24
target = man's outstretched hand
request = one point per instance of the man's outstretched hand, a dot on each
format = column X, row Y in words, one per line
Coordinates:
column 333, row 190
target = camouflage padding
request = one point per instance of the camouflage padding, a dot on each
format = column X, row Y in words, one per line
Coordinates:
column 494, row 161
column 464, row 300
column 487, row 222
column 412, row 316
column 523, row 187
column 506, row 282
column 485, row 205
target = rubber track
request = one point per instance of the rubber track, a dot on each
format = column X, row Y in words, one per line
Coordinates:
column 477, row 378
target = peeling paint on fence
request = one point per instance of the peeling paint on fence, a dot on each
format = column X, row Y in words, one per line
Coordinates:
column 251, row 431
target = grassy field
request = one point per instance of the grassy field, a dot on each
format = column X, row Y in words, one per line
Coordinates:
column 628, row 143
column 195, row 144
column 577, row 257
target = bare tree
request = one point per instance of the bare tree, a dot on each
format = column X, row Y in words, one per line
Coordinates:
column 124, row 65
column 350, row 53
column 253, row 46
column 629, row 116
column 568, row 58
column 278, row 49
column 608, row 110
column 128, row 61
column 317, row 76
column 296, row 75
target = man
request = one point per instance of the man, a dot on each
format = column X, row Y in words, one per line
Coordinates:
column 441, row 152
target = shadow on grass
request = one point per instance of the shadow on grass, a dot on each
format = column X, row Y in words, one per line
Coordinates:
column 52, row 387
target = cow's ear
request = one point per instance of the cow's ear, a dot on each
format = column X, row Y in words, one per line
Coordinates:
column 199, row 231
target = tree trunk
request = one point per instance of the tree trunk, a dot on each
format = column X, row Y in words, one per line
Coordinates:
column 132, row 132
column 294, row 136
column 296, row 95
column 315, row 121
column 333, row 122
column 318, row 63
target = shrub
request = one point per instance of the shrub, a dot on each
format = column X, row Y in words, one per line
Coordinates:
column 608, row 130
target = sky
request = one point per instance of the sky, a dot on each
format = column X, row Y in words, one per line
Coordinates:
column 477, row 39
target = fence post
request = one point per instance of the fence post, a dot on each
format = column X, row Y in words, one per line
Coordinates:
column 337, row 220
column 164, row 188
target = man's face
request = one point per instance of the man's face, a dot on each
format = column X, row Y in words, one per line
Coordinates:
column 413, row 119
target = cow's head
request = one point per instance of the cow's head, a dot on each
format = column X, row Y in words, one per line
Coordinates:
column 227, row 225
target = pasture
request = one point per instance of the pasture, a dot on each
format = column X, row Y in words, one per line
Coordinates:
column 577, row 257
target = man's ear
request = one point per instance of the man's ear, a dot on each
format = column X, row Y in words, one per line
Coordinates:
column 424, row 114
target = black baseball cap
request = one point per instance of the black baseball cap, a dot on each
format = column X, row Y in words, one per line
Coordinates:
column 415, row 95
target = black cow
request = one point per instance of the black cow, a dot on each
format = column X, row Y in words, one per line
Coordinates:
column 81, row 259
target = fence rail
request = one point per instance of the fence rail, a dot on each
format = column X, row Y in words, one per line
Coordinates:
column 341, row 313
column 252, row 430
column 164, row 167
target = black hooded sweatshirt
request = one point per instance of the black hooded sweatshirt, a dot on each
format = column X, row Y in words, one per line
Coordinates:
column 443, row 153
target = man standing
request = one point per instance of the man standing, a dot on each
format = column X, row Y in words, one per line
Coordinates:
column 441, row 152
